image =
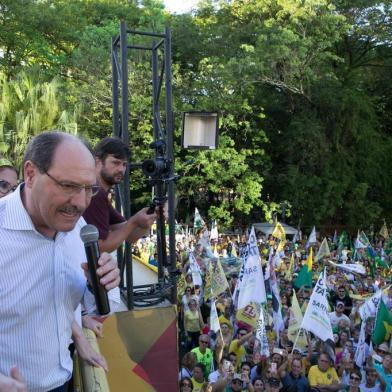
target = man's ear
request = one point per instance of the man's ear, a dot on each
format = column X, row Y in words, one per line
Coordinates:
column 29, row 173
column 98, row 163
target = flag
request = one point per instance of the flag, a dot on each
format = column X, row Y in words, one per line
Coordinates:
column 335, row 237
column 316, row 318
column 369, row 308
column 279, row 232
column 216, row 282
column 362, row 241
column 276, row 306
column 289, row 272
column 304, row 277
column 356, row 268
column 380, row 262
column 312, row 238
column 323, row 250
column 295, row 322
column 360, row 352
column 261, row 346
column 216, row 253
column 214, row 231
column 297, row 236
column 198, row 222
column 384, row 231
column 214, row 320
column 251, row 288
column 195, row 270
column 388, row 246
column 383, row 325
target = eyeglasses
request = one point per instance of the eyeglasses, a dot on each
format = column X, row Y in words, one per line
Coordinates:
column 204, row 341
column 382, row 352
column 185, row 384
column 6, row 187
column 354, row 378
column 71, row 189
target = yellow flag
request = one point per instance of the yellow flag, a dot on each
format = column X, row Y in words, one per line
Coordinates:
column 279, row 231
column 295, row 322
column 215, row 280
column 218, row 280
column 281, row 245
column 309, row 261
column 289, row 272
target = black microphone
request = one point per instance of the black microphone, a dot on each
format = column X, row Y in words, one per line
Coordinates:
column 89, row 235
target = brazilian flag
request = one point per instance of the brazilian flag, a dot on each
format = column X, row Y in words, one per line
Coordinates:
column 383, row 325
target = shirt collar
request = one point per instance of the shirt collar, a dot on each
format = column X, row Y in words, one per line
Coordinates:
column 16, row 217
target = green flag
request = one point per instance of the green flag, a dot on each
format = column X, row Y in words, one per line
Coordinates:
column 380, row 262
column 304, row 277
column 198, row 223
column 383, row 325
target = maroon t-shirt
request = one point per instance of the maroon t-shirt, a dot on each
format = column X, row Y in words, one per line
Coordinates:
column 101, row 214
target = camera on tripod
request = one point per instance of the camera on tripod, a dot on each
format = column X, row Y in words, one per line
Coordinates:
column 157, row 170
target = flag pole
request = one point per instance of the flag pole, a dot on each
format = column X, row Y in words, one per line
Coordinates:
column 296, row 339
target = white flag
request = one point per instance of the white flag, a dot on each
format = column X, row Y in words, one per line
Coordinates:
column 261, row 345
column 214, row 320
column 360, row 353
column 369, row 308
column 252, row 288
column 195, row 270
column 312, row 238
column 357, row 268
column 214, row 231
column 316, row 318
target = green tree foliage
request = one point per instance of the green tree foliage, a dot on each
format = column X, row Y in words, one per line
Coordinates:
column 30, row 105
column 302, row 88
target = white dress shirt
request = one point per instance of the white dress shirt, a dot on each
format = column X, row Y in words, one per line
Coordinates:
column 41, row 284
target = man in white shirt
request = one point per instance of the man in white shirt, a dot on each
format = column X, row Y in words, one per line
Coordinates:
column 42, row 260
column 338, row 315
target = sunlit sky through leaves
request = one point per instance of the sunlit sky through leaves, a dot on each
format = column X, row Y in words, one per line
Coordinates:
column 180, row 6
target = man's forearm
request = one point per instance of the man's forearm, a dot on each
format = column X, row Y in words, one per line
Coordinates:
column 330, row 387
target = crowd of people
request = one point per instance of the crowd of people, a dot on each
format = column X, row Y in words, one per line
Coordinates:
column 230, row 360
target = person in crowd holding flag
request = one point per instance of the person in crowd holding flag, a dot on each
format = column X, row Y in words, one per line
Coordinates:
column 237, row 345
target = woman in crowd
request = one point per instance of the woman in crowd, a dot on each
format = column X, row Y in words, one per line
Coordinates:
column 188, row 363
column 186, row 385
column 193, row 324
